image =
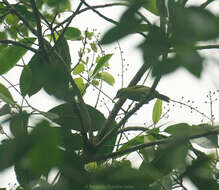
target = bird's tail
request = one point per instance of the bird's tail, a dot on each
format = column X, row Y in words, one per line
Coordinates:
column 163, row 97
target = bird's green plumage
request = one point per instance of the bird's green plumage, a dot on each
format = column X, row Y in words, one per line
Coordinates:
column 138, row 93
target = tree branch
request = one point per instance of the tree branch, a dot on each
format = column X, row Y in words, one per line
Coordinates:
column 159, row 142
column 134, row 128
column 39, row 27
column 18, row 44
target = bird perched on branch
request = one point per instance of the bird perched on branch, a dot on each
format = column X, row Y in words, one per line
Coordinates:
column 138, row 93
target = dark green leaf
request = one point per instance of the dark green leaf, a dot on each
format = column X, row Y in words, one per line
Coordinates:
column 176, row 150
column 5, row 109
column 7, row 61
column 25, row 80
column 208, row 141
column 25, row 12
column 13, row 150
column 180, row 129
column 155, row 44
column 101, row 62
column 68, row 117
column 200, row 24
column 133, row 142
column 192, row 61
column 63, row 5
column 72, row 34
column 17, row 126
column 38, row 75
column 124, row 177
column 200, row 173
column 5, row 95
column 45, row 154
column 164, row 67
column 25, row 176
column 58, row 86
column 128, row 24
column 109, row 144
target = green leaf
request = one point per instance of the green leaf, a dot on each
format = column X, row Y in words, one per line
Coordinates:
column 107, row 77
column 101, row 62
column 50, row 115
column 93, row 47
column 192, row 62
column 133, row 142
column 148, row 152
column 151, row 5
column 78, row 69
column 24, row 175
column 13, row 150
column 109, row 144
column 25, row 80
column 155, row 44
column 63, row 5
column 157, row 111
column 207, row 141
column 11, row 19
column 5, row 109
column 165, row 67
column 38, row 75
column 80, row 83
column 3, row 35
column 5, row 95
column 25, row 11
column 69, row 119
column 179, row 129
column 177, row 150
column 201, row 173
column 17, row 126
column 7, row 61
column 53, row 85
column 201, row 25
column 128, row 24
column 72, row 34
column 45, row 154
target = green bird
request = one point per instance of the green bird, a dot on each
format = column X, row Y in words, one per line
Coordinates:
column 138, row 93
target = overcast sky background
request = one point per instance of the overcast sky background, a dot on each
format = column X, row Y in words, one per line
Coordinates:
column 175, row 85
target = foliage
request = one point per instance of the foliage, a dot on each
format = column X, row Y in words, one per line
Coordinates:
column 76, row 138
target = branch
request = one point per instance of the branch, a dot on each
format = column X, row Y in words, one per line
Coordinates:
column 18, row 44
column 135, row 128
column 39, row 27
column 205, row 4
column 101, row 15
column 101, row 6
column 164, row 141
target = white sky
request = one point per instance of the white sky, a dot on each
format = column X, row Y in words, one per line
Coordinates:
column 176, row 85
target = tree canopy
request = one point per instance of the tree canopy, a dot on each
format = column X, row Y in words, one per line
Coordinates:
column 77, row 139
